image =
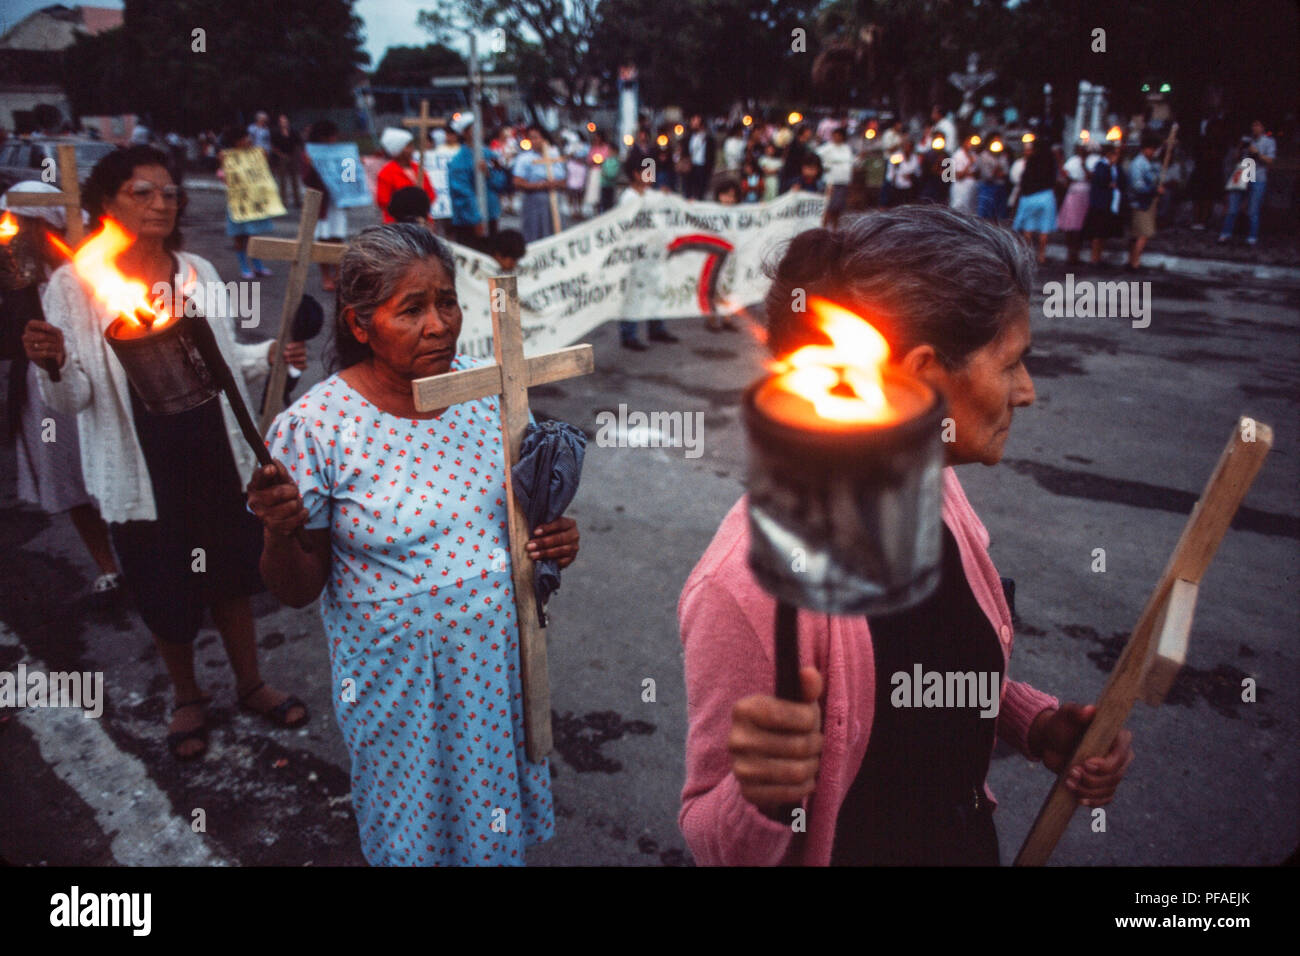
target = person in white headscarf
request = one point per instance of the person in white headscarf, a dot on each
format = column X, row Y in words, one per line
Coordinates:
column 402, row 171
column 49, row 449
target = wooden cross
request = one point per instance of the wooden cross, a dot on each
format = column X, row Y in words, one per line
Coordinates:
column 548, row 160
column 301, row 252
column 68, row 197
column 1158, row 646
column 422, row 124
column 511, row 377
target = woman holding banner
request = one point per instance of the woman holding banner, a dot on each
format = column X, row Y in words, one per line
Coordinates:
column 405, row 512
column 234, row 138
column 332, row 225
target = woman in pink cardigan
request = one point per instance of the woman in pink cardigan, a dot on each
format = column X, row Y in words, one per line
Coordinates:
column 878, row 782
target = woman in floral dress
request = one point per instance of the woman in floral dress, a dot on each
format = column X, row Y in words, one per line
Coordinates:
column 405, row 514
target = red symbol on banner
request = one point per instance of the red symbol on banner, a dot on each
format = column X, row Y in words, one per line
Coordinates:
column 717, row 249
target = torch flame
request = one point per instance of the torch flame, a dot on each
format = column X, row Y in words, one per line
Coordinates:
column 8, row 227
column 843, row 380
column 95, row 262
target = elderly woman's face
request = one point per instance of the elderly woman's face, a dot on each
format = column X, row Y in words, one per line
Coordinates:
column 983, row 394
column 414, row 333
column 146, row 204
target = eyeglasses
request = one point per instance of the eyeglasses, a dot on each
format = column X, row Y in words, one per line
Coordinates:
column 143, row 192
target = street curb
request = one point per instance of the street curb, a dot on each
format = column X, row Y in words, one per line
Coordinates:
column 1200, row 268
column 208, row 185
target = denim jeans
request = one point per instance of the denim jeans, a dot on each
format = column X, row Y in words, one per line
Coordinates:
column 627, row 330
column 1255, row 199
column 991, row 201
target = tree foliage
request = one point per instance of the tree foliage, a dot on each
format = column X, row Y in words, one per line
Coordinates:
column 918, row 43
column 415, row 65
column 543, row 40
column 705, row 54
column 255, row 55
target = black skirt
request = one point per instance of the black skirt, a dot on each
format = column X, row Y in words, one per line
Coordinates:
column 1102, row 224
column 204, row 546
column 917, row 798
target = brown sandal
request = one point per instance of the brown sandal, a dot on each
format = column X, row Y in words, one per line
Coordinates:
column 277, row 715
column 200, row 733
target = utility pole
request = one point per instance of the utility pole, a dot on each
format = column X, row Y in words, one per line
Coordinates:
column 476, row 81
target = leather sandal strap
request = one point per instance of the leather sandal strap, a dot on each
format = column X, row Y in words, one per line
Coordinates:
column 249, row 693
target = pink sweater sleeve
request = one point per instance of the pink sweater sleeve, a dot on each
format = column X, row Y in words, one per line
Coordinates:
column 725, row 661
column 1020, row 705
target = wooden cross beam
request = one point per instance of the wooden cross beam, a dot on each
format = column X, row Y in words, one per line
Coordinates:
column 422, row 124
column 68, row 197
column 299, row 252
column 1158, row 646
column 511, row 377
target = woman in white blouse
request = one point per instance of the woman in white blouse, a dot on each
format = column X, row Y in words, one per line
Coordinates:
column 169, row 486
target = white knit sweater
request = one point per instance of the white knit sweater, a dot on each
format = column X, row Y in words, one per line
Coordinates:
column 94, row 388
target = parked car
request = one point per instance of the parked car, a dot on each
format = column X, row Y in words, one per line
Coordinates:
column 25, row 158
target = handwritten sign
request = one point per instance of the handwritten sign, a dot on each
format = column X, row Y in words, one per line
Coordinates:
column 250, row 190
column 339, row 166
column 435, row 165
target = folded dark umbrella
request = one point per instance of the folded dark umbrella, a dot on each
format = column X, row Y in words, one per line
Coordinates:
column 308, row 320
column 545, row 480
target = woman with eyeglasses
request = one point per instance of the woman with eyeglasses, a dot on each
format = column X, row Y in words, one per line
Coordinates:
column 169, row 486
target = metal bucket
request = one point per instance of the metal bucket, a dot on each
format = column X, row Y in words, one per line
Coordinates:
column 165, row 366
column 847, row 522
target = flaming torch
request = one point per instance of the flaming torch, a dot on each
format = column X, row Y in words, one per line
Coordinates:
column 20, row 275
column 172, row 360
column 845, row 481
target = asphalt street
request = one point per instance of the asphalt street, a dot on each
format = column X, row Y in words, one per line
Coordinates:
column 1127, row 427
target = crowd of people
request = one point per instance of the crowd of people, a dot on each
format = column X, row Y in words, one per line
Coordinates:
column 1090, row 191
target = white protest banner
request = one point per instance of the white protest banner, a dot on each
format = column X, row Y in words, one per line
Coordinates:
column 658, row 256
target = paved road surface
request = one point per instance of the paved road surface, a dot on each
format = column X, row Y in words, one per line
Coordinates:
column 1127, row 426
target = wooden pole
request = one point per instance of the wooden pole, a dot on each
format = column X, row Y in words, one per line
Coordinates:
column 511, row 377
column 292, row 298
column 1164, row 164
column 422, row 124
column 547, row 162
column 508, row 343
column 1167, row 614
